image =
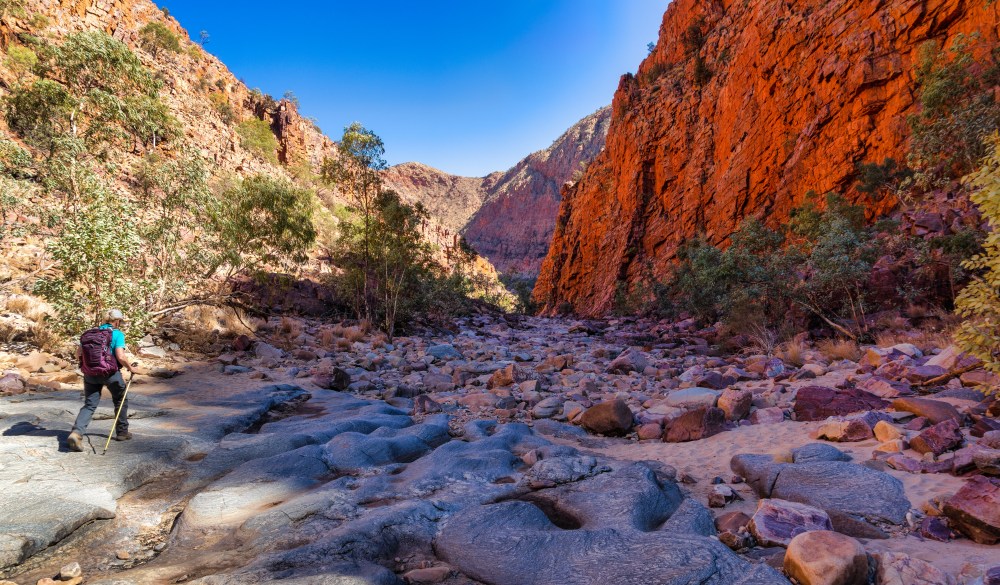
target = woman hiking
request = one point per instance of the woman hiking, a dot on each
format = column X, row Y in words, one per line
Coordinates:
column 101, row 354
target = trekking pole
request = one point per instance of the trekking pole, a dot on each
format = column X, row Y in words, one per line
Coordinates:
column 117, row 414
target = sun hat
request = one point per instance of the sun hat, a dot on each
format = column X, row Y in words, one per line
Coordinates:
column 115, row 314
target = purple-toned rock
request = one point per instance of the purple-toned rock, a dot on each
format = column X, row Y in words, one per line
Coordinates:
column 336, row 379
column 767, row 416
column 611, row 418
column 777, row 522
column 774, row 368
column 982, row 425
column 936, row 528
column 242, row 343
column 732, row 522
column 735, row 403
column 918, row 374
column 896, row 568
column 980, row 378
column 990, row 440
column 933, row 410
column 819, row 403
column 694, row 425
column 629, row 360
column 884, row 388
column 916, row 424
column 987, row 461
column 975, row 510
column 941, row 437
column 845, row 431
column 901, row 462
column 992, row 576
column 424, row 404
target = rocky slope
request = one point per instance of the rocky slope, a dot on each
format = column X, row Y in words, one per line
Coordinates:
column 197, row 86
column 508, row 217
column 741, row 108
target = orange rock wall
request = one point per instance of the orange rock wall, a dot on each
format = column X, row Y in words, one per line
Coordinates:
column 800, row 92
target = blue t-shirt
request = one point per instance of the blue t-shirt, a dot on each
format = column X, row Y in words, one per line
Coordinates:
column 117, row 338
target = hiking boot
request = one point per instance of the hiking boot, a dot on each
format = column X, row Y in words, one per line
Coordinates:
column 75, row 442
column 123, row 436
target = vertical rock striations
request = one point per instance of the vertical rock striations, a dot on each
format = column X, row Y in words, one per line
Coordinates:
column 741, row 108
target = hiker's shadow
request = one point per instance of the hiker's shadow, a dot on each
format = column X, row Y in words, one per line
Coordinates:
column 27, row 429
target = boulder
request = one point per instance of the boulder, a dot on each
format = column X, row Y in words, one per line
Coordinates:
column 444, row 352
column 629, row 360
column 822, row 557
column 693, row 398
column 776, row 522
column 694, row 425
column 732, row 522
column 939, row 438
column 990, row 440
column 844, row 490
column 818, row 402
column 844, row 431
column 735, row 403
column 818, row 452
column 335, row 379
column 895, row 568
column 510, row 375
column 947, row 359
column 980, row 378
column 767, row 416
column 265, row 350
column 936, row 528
column 975, row 510
column 918, row 374
column 884, row 388
column 884, row 431
column 933, row 410
column 608, row 418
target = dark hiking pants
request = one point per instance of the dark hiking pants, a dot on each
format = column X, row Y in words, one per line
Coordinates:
column 92, row 387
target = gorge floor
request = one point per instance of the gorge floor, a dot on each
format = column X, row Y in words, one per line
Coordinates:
column 234, row 479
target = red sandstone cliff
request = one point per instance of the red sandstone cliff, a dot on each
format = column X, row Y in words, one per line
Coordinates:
column 742, row 107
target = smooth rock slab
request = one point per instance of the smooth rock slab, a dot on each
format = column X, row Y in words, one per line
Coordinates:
column 935, row 411
column 941, row 437
column 514, row 543
column 896, row 568
column 694, row 425
column 843, row 488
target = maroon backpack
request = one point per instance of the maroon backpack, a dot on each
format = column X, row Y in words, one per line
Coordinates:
column 97, row 359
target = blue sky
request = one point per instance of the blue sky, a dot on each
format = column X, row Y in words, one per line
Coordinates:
column 468, row 87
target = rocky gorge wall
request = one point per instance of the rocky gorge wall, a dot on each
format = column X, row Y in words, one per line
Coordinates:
column 739, row 110
column 195, row 82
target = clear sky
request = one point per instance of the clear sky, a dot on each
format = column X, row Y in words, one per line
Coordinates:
column 466, row 86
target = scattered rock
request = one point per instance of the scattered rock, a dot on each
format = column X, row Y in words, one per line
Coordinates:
column 776, row 522
column 886, row 432
column 70, row 571
column 975, row 510
column 933, row 410
column 608, row 418
column 939, row 438
column 444, row 352
column 335, row 379
column 767, row 416
column 936, row 528
column 427, row 576
column 694, row 425
column 819, row 403
column 896, row 568
column 735, row 403
column 823, row 557
column 629, row 360
column 689, row 398
column 844, row 431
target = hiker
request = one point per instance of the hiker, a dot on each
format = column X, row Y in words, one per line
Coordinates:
column 101, row 365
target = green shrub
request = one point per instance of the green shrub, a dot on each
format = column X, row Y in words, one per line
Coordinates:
column 156, row 37
column 21, row 60
column 221, row 104
column 257, row 138
column 979, row 302
column 958, row 109
column 874, row 178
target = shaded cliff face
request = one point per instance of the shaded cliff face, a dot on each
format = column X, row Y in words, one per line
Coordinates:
column 742, row 107
column 508, row 217
column 514, row 227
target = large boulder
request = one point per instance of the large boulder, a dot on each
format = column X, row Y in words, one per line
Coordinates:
column 939, row 438
column 822, row 557
column 629, row 360
column 935, row 411
column 820, row 403
column 693, row 398
column 694, row 425
column 896, row 568
column 735, row 403
column 975, row 510
column 608, row 418
column 776, row 522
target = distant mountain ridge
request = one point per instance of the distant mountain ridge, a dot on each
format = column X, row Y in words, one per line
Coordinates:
column 507, row 216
